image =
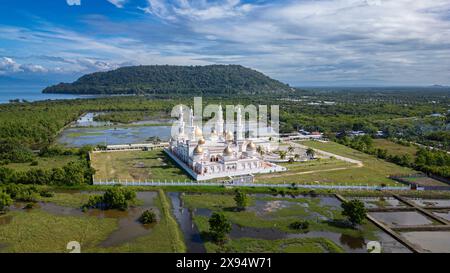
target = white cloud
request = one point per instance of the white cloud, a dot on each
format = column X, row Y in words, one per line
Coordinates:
column 118, row 3
column 8, row 65
column 33, row 68
column 197, row 10
column 73, row 2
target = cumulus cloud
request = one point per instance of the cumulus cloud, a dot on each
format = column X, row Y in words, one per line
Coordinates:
column 8, row 65
column 73, row 2
column 322, row 40
column 118, row 3
column 300, row 42
column 197, row 10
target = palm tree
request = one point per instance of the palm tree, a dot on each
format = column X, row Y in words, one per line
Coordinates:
column 260, row 150
column 282, row 154
column 296, row 156
column 310, row 153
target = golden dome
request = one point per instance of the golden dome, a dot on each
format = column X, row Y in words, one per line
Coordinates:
column 227, row 151
column 198, row 150
column 229, row 136
column 201, row 141
column 251, row 146
column 198, row 132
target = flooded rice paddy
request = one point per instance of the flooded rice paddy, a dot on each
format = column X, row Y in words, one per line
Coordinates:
column 381, row 202
column 431, row 202
column 264, row 208
column 86, row 131
column 316, row 209
column 443, row 214
column 431, row 241
column 128, row 225
column 402, row 218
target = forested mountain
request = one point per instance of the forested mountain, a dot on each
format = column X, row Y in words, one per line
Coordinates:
column 167, row 79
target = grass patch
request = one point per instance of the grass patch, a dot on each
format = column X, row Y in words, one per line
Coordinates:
column 38, row 231
column 136, row 165
column 301, row 209
column 394, row 148
column 374, row 172
column 46, row 163
column 251, row 245
column 165, row 236
column 75, row 200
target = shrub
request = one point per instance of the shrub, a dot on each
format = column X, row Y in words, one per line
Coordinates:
column 148, row 217
column 114, row 198
column 354, row 210
column 241, row 199
column 46, row 193
column 299, row 225
column 5, row 201
column 29, row 206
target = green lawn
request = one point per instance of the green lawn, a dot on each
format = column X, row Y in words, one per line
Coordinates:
column 374, row 172
column 136, row 165
column 394, row 148
column 45, row 163
column 38, row 231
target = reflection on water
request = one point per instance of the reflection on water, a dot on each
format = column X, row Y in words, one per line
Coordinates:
column 432, row 241
column 193, row 240
column 432, row 202
column 347, row 242
column 128, row 228
column 402, row 218
column 77, row 137
column 381, row 202
column 443, row 214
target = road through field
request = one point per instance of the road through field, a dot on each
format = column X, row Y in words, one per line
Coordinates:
column 343, row 158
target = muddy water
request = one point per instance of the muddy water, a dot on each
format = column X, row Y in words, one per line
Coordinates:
column 443, row 214
column 431, row 202
column 431, row 241
column 193, row 240
column 402, row 218
column 381, row 202
column 129, row 226
column 128, row 229
column 347, row 242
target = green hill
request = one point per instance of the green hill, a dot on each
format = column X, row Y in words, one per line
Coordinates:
column 168, row 79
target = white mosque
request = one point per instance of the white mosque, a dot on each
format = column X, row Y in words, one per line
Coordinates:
column 221, row 154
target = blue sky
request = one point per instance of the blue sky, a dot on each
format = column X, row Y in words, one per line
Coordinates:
column 303, row 43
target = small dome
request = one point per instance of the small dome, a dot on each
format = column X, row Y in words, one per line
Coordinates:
column 201, row 141
column 229, row 136
column 227, row 151
column 198, row 150
column 198, row 132
column 251, row 146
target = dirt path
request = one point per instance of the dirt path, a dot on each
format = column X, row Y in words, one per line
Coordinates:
column 343, row 158
column 308, row 172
